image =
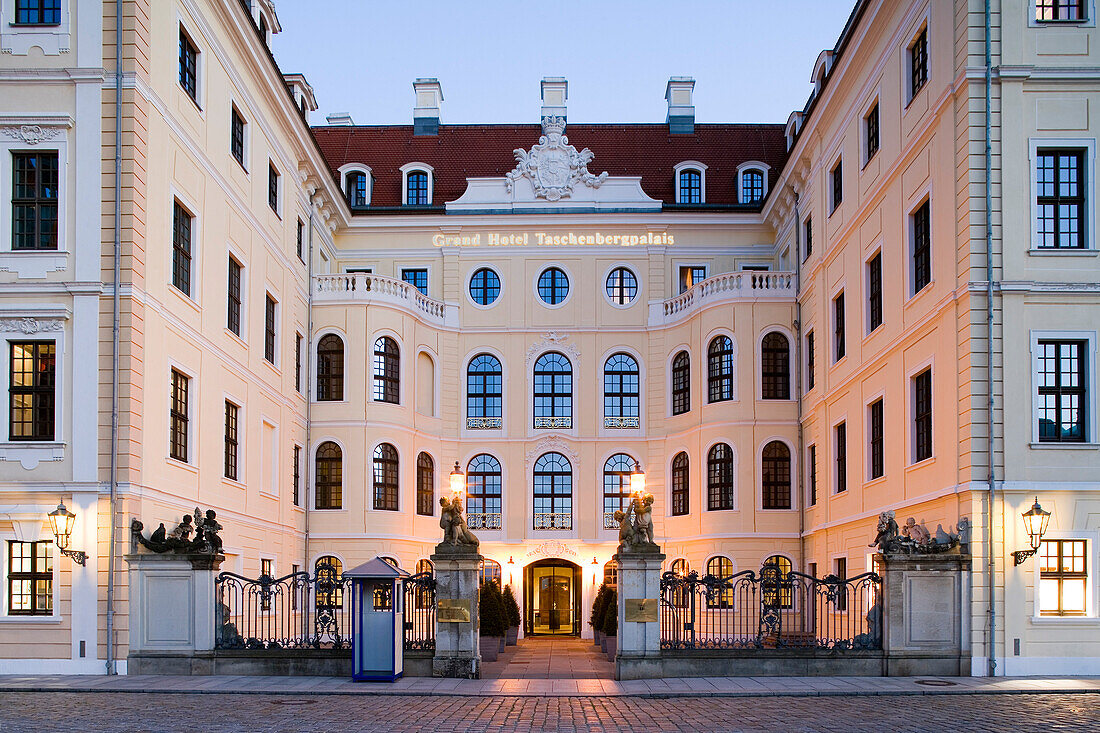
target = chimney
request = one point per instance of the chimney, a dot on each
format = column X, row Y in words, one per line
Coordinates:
column 339, row 119
column 554, row 93
column 681, row 112
column 429, row 95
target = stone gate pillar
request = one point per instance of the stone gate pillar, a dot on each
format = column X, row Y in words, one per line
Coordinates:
column 457, row 652
column 926, row 614
column 639, row 592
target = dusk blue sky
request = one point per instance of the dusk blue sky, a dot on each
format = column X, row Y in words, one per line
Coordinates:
column 751, row 59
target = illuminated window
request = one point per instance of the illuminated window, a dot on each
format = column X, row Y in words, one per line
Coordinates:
column 720, row 568
column 611, row 573
column 776, row 590
column 30, row 578
column 330, row 586
column 616, row 487
column 489, row 572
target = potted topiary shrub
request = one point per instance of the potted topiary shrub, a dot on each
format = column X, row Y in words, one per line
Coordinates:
column 489, row 619
column 601, row 614
column 512, row 608
column 594, row 616
column 502, row 613
column 611, row 624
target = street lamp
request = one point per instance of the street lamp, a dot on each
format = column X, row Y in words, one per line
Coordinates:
column 595, row 566
column 1035, row 522
column 61, row 521
column 637, row 480
column 458, row 482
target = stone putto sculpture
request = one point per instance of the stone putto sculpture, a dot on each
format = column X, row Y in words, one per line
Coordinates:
column 636, row 525
column 207, row 541
column 455, row 530
column 914, row 538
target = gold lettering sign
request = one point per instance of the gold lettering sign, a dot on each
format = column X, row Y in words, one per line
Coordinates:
column 453, row 610
column 640, row 609
column 567, row 239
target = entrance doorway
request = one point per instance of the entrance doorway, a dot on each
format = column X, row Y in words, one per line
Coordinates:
column 552, row 598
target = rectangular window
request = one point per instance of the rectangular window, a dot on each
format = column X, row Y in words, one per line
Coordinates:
column 269, row 329
column 838, row 327
column 236, row 136
column 298, row 362
column 34, row 201
column 877, row 454
column 922, row 247
column 1055, row 10
column 1060, row 198
column 231, row 412
column 1063, row 395
column 922, row 416
column 809, row 239
column 691, row 275
column 30, row 578
column 300, row 243
column 870, row 124
column 810, row 360
column 838, row 184
column 181, row 248
column 178, row 417
column 31, row 382
column 840, row 433
column 1063, row 578
column 874, row 292
column 233, row 308
column 418, row 278
column 273, row 187
column 811, row 460
column 296, row 474
column 37, row 12
column 189, row 64
column 840, row 570
column 918, row 63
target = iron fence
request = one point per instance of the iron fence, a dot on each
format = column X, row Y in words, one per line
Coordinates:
column 420, row 612
column 771, row 610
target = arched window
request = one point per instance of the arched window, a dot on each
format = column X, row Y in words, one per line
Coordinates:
column 680, row 502
column 424, row 565
column 425, row 485
column 355, row 188
column 621, row 286
column 775, row 367
column 489, row 572
column 720, row 477
column 620, row 392
column 775, row 582
column 553, row 285
column 483, row 392
column 385, row 477
column 330, row 588
column 681, row 383
column 330, row 368
column 680, row 567
column 553, row 492
column 720, row 369
column 416, row 189
column 616, row 487
column 392, row 561
column 422, row 597
column 721, row 568
column 484, row 286
column 329, row 480
column 682, row 593
column 776, row 476
column 483, row 492
column 387, row 370
column 691, row 187
column 611, row 573
column 752, row 186
column 553, row 391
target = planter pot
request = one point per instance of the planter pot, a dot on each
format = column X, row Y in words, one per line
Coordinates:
column 603, row 643
column 490, row 648
column 612, row 643
column 596, row 637
column 513, row 636
column 503, row 643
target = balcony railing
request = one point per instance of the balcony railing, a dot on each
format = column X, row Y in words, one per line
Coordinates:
column 722, row 288
column 553, row 521
column 620, row 423
column 365, row 287
column 553, row 423
column 609, row 521
column 483, row 423
column 483, row 520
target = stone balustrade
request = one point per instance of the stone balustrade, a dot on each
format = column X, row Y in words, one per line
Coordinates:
column 365, row 287
column 724, row 288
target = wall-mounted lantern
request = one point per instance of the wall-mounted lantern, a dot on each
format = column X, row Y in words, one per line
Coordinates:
column 1035, row 522
column 61, row 522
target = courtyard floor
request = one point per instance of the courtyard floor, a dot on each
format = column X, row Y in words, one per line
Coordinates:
column 550, row 658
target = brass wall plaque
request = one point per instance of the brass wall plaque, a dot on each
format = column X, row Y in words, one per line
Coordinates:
column 640, row 609
column 453, row 610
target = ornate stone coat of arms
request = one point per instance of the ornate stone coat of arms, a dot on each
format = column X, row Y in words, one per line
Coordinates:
column 554, row 166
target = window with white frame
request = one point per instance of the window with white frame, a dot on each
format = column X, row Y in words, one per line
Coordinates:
column 416, row 181
column 30, row 578
column 1063, row 577
column 752, row 183
column 691, row 182
column 1065, row 11
column 179, row 417
column 357, row 187
column 1060, row 198
column 918, row 62
column 31, row 387
column 1062, row 382
column 34, row 200
column 189, row 66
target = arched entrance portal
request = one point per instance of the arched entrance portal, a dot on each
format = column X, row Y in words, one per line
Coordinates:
column 552, row 598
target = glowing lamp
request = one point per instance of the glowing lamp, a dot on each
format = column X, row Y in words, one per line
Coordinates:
column 61, row 522
column 1035, row 524
column 458, row 481
column 637, row 480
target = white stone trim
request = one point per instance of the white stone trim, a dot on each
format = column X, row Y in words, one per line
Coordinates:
column 751, row 165
column 347, row 168
column 18, row 40
column 35, row 134
column 696, row 166
column 413, row 168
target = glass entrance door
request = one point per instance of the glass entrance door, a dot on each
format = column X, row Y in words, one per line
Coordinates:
column 551, row 599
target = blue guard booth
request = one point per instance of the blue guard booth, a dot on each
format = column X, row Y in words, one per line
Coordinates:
column 377, row 621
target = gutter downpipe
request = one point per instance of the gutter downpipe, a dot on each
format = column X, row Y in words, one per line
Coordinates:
column 115, row 331
column 308, row 386
column 798, row 381
column 991, row 567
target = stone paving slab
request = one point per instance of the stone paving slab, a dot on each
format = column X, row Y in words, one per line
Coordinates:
column 669, row 687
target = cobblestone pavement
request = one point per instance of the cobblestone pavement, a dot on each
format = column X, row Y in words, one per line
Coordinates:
column 46, row 712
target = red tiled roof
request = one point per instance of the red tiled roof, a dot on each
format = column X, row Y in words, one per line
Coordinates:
column 459, row 152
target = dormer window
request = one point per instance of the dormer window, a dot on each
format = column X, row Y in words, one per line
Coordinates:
column 690, row 183
column 417, row 180
column 752, row 182
column 356, row 180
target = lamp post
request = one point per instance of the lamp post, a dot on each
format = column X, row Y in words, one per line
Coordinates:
column 637, row 480
column 61, row 522
column 1035, row 523
column 458, row 482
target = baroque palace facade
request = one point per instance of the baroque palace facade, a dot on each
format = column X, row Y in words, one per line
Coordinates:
column 789, row 327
